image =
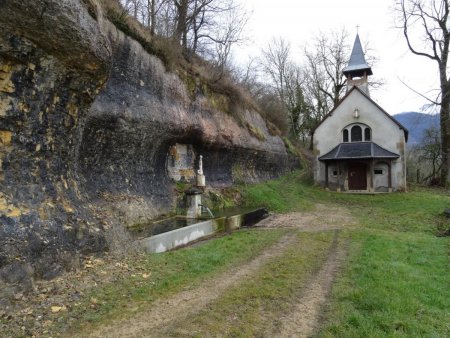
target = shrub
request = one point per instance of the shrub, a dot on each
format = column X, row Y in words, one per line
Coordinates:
column 255, row 131
column 443, row 225
column 273, row 111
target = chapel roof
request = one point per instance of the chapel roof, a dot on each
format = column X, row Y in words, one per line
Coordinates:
column 358, row 150
column 357, row 64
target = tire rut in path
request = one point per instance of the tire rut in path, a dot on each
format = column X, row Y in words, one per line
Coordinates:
column 188, row 302
column 304, row 319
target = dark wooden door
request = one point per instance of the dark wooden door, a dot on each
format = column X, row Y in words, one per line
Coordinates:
column 357, row 176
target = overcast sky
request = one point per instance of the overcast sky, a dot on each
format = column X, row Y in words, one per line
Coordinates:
column 299, row 21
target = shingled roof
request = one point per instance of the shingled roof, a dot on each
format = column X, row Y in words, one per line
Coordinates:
column 358, row 150
column 357, row 64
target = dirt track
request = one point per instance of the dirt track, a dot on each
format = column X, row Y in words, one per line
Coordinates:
column 304, row 319
column 187, row 303
column 299, row 323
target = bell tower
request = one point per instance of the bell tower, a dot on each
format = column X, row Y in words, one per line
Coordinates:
column 357, row 70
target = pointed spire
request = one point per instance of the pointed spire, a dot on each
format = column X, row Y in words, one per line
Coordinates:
column 357, row 65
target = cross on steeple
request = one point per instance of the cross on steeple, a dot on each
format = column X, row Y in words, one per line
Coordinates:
column 357, row 29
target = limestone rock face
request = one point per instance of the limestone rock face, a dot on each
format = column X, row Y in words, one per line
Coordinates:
column 87, row 123
column 53, row 61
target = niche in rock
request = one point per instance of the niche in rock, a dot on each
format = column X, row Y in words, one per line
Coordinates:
column 180, row 163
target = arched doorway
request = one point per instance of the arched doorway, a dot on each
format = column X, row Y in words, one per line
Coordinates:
column 357, row 176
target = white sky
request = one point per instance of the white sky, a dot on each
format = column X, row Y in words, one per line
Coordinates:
column 300, row 21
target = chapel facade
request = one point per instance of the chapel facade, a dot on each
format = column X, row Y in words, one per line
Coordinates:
column 358, row 146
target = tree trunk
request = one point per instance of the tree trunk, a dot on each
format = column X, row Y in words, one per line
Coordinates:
column 445, row 112
column 151, row 16
column 182, row 12
column 445, row 133
column 135, row 9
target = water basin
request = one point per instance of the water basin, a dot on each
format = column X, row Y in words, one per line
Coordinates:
column 232, row 211
column 160, row 227
column 171, row 233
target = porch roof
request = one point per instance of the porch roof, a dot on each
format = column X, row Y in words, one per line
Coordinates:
column 358, row 150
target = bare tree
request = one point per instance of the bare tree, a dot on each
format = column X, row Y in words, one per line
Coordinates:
column 317, row 96
column 158, row 15
column 276, row 64
column 191, row 15
column 216, row 29
column 153, row 9
column 431, row 152
column 213, row 21
column 247, row 75
column 165, row 21
column 133, row 7
column 323, row 80
column 327, row 61
column 431, row 19
column 308, row 91
column 424, row 160
column 286, row 79
column 206, row 27
column 252, row 77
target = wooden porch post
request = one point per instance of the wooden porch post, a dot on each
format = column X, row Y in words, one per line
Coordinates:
column 338, row 176
column 372, row 168
column 390, row 176
column 326, row 175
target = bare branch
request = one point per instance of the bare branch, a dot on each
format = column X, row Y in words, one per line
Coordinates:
column 418, row 93
column 406, row 16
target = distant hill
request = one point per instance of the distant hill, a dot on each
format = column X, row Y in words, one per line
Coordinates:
column 416, row 123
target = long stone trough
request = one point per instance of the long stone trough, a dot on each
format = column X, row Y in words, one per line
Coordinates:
column 180, row 237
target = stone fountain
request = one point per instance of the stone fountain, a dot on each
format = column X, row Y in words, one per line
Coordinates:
column 194, row 195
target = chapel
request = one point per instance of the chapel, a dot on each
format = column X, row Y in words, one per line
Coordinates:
column 358, row 146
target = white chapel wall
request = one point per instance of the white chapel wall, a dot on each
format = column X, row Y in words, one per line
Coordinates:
column 385, row 132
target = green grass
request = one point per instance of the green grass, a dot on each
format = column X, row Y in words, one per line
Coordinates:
column 169, row 272
column 397, row 280
column 418, row 211
column 289, row 193
column 246, row 309
column 395, row 285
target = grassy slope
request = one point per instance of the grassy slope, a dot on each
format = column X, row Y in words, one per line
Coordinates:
column 397, row 281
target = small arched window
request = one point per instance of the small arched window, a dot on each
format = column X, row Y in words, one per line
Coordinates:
column 345, row 135
column 367, row 134
column 356, row 133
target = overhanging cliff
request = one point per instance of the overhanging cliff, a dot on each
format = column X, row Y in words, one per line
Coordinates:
column 88, row 124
